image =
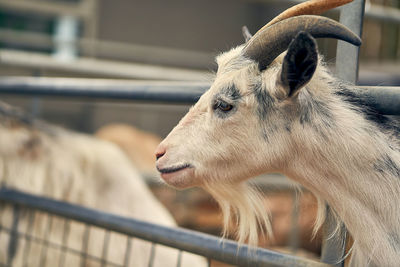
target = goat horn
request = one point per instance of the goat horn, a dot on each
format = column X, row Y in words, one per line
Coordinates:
column 270, row 42
column 313, row 7
column 246, row 33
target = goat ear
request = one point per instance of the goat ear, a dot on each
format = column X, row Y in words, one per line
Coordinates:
column 299, row 63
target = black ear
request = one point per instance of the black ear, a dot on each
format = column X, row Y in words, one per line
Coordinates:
column 299, row 63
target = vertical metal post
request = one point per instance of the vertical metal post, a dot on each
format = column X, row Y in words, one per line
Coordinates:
column 128, row 251
column 45, row 242
column 28, row 241
column 294, row 231
column 333, row 249
column 334, row 241
column 106, row 242
column 152, row 254
column 64, row 241
column 347, row 54
column 13, row 243
column 85, row 245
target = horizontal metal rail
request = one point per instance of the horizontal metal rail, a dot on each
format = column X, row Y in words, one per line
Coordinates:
column 385, row 99
column 153, row 91
column 202, row 244
column 99, row 67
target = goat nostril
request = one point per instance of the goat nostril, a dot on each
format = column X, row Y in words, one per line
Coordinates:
column 159, row 155
column 160, row 151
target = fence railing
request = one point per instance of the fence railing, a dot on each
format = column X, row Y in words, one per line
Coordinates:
column 206, row 245
column 384, row 99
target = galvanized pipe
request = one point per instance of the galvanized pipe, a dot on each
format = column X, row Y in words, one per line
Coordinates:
column 202, row 244
column 347, row 55
column 333, row 249
column 385, row 99
column 151, row 91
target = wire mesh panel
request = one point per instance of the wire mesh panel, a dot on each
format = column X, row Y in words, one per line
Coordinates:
column 30, row 237
column 36, row 231
column 41, row 239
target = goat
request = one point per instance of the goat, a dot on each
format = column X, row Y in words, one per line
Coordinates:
column 274, row 111
column 43, row 159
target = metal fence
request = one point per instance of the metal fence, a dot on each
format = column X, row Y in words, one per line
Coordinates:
column 21, row 239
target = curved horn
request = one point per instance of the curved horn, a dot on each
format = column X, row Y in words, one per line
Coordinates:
column 270, row 42
column 313, row 7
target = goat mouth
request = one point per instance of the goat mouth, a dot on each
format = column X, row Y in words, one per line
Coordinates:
column 174, row 169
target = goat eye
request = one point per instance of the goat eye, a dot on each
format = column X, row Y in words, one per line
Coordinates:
column 223, row 106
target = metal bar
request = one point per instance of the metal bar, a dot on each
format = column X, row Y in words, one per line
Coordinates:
column 333, row 249
column 152, row 255
column 384, row 99
column 203, row 244
column 46, row 8
column 347, row 54
column 117, row 50
column 85, row 245
column 13, row 243
column 334, row 241
column 28, row 240
column 63, row 253
column 46, row 236
column 170, row 92
column 179, row 261
column 106, row 242
column 99, row 67
column 128, row 251
column 295, row 216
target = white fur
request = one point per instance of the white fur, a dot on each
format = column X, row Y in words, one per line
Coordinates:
column 335, row 157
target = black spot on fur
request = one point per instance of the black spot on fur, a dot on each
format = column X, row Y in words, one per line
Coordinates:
column 386, row 123
column 305, row 115
column 386, row 165
column 232, row 92
column 394, row 240
column 264, row 101
column 312, row 108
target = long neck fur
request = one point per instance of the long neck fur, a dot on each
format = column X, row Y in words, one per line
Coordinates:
column 354, row 166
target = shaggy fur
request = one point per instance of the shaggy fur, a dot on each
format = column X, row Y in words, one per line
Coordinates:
column 42, row 159
column 322, row 137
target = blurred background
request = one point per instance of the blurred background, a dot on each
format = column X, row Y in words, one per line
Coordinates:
column 144, row 40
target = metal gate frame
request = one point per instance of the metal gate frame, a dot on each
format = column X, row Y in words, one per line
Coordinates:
column 209, row 246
